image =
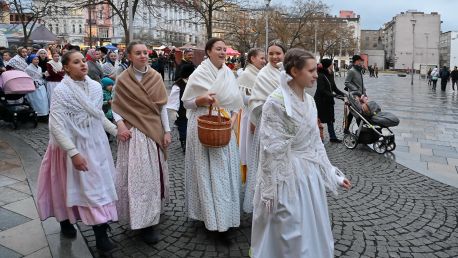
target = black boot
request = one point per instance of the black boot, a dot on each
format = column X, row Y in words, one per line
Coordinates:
column 150, row 235
column 183, row 146
column 67, row 229
column 101, row 238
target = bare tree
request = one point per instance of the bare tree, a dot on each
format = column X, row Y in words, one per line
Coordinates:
column 334, row 36
column 29, row 13
column 293, row 25
column 207, row 11
column 245, row 29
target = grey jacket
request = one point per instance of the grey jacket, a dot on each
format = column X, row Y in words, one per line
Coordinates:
column 354, row 81
column 95, row 71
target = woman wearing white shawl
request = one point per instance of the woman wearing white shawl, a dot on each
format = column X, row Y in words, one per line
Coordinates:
column 54, row 74
column 212, row 174
column 18, row 62
column 39, row 98
column 290, row 216
column 256, row 60
column 76, row 179
column 266, row 82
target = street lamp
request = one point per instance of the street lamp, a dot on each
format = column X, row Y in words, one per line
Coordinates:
column 413, row 49
column 267, row 2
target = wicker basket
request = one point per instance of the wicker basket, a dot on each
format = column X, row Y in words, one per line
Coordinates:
column 214, row 131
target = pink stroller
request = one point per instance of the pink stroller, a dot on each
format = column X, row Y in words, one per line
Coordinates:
column 14, row 108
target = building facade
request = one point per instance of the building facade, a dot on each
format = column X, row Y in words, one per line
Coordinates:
column 448, row 49
column 411, row 36
column 159, row 23
column 372, row 47
column 67, row 24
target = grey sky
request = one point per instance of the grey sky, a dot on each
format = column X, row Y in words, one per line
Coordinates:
column 374, row 13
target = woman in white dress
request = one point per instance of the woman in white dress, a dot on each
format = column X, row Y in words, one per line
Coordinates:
column 39, row 98
column 212, row 180
column 142, row 180
column 76, row 179
column 290, row 216
column 256, row 59
column 266, row 82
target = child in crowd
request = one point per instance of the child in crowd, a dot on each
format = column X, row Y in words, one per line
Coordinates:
column 107, row 86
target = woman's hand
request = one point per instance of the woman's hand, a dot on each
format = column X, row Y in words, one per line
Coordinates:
column 346, row 184
column 123, row 134
column 206, row 100
column 79, row 162
column 167, row 140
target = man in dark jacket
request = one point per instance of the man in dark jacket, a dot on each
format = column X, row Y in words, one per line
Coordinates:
column 324, row 97
column 188, row 54
column 454, row 76
column 445, row 77
column 354, row 83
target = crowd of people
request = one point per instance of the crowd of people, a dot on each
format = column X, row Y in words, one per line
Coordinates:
column 445, row 75
column 275, row 165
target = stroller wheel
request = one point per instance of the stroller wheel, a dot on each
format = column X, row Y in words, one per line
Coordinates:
column 379, row 147
column 350, row 141
column 391, row 146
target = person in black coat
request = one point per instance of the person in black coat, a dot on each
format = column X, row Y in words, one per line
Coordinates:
column 324, row 97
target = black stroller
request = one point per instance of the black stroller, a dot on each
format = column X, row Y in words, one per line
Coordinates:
column 372, row 126
column 14, row 107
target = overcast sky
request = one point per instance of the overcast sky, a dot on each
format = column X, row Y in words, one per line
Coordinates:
column 374, row 13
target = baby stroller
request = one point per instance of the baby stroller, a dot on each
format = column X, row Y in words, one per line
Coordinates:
column 372, row 126
column 14, row 108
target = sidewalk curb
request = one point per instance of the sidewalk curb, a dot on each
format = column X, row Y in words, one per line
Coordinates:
column 31, row 160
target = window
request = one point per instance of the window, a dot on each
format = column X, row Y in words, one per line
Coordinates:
column 57, row 29
column 73, row 28
column 101, row 14
column 81, row 29
column 103, row 32
column 50, row 27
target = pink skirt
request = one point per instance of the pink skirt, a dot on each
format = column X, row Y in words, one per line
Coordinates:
column 52, row 194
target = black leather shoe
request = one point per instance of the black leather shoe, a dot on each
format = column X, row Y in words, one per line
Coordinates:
column 150, row 235
column 67, row 229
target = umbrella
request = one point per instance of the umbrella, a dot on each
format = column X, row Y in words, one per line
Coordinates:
column 111, row 47
column 232, row 52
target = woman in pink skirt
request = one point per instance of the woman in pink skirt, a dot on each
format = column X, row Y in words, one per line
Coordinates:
column 76, row 175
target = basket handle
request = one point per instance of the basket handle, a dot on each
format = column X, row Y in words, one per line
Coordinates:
column 210, row 113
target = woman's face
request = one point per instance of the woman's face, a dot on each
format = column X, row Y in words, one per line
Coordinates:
column 259, row 60
column 97, row 55
column 139, row 55
column 276, row 55
column 35, row 61
column 55, row 57
column 113, row 57
column 217, row 54
column 307, row 75
column 6, row 56
column 43, row 55
column 64, row 51
column 76, row 67
column 120, row 55
column 23, row 53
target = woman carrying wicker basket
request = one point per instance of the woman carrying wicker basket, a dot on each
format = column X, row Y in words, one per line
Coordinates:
column 213, row 181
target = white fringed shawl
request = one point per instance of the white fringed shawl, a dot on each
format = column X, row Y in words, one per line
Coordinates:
column 208, row 78
column 266, row 82
column 279, row 127
column 247, row 78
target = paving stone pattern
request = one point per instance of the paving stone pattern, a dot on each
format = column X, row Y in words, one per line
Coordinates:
column 391, row 211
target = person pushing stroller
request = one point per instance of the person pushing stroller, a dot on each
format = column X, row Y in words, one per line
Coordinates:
column 354, row 85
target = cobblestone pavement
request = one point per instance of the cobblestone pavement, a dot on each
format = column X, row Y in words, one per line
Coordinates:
column 392, row 211
column 427, row 137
